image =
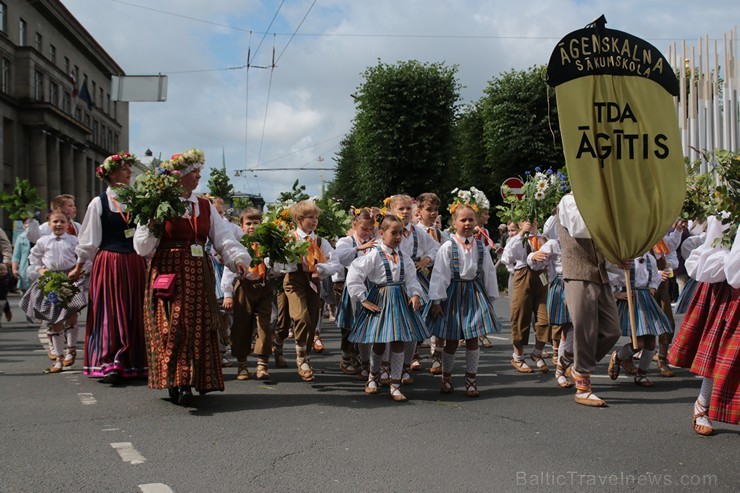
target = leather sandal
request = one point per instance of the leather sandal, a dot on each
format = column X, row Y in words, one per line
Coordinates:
column 318, row 346
column 416, row 364
column 589, row 399
column 372, row 387
column 280, row 361
column 561, row 379
column 663, row 368
column 347, row 366
column 485, row 342
column 446, row 385
column 70, row 357
column 396, row 393
column 406, row 377
column 385, row 375
column 471, row 389
column 242, row 373
column 262, row 373
column 436, row 368
column 628, row 366
column 702, row 430
column 642, row 380
column 614, row 366
column 56, row 367
column 540, row 363
column 521, row 366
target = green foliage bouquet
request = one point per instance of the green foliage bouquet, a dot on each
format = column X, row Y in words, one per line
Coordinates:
column 698, row 201
column 541, row 193
column 23, row 202
column 726, row 194
column 274, row 240
column 334, row 221
column 58, row 288
column 154, row 197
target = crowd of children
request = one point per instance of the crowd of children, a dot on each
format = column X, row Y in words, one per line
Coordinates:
column 400, row 281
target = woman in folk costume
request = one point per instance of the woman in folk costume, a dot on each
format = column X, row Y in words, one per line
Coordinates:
column 422, row 249
column 462, row 290
column 389, row 314
column 708, row 342
column 359, row 242
column 650, row 321
column 115, row 346
column 183, row 330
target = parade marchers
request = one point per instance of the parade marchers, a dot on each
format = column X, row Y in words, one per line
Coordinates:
column 400, row 279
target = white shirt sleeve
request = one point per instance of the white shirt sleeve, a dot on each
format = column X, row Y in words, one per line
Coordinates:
column 713, row 269
column 515, row 254
column 345, row 252
column 441, row 274
column 91, row 232
column 359, row 270
column 34, row 231
column 222, row 238
column 571, row 219
column 695, row 264
column 490, row 280
column 732, row 263
column 332, row 265
column 413, row 288
column 144, row 241
column 227, row 282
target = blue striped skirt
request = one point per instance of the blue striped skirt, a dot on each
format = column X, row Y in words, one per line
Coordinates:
column 397, row 320
column 345, row 311
column 556, row 308
column 684, row 299
column 467, row 313
column 426, row 305
column 218, row 270
column 649, row 318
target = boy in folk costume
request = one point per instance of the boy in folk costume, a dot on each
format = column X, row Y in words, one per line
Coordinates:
column 428, row 204
column 301, row 282
column 528, row 296
column 251, row 301
column 589, row 297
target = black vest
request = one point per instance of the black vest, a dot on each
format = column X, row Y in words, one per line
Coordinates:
column 114, row 238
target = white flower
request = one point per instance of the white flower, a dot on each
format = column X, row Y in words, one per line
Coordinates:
column 455, row 191
column 553, row 178
column 461, row 193
column 540, row 176
column 539, row 195
column 542, row 185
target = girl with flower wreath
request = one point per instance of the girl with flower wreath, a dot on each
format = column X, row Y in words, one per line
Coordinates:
column 54, row 253
column 115, row 346
column 181, row 317
column 462, row 290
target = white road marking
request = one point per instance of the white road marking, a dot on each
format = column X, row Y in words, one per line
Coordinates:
column 86, row 398
column 128, row 453
column 110, row 429
column 507, row 339
column 155, row 488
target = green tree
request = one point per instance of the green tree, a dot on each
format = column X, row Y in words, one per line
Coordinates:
column 219, row 184
column 520, row 128
column 344, row 185
column 470, row 150
column 402, row 138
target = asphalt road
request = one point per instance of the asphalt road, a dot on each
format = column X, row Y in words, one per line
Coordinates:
column 68, row 433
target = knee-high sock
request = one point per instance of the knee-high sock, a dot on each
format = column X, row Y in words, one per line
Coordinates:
column 374, row 361
column 57, row 341
column 705, row 393
column 70, row 335
column 365, row 351
column 448, row 362
column 626, row 352
column 396, row 365
column 472, row 356
column 409, row 348
column 387, row 353
column 645, row 359
column 567, row 343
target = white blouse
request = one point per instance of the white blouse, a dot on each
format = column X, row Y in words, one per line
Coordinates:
column 325, row 269
column 426, row 247
column 645, row 271
column 554, row 262
column 91, row 233
column 371, row 267
column 347, row 253
column 571, row 219
column 54, row 253
column 442, row 273
column 515, row 253
column 222, row 238
column 706, row 263
column 732, row 263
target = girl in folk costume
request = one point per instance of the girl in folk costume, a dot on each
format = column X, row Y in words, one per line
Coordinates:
column 54, row 252
column 388, row 316
column 559, row 317
column 360, row 241
column 528, row 296
column 416, row 243
column 708, row 342
column 650, row 321
column 667, row 259
column 251, row 301
column 428, row 204
column 301, row 282
column 183, row 329
column 115, row 346
column 462, row 290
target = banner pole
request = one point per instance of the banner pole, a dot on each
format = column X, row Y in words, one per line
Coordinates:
column 631, row 305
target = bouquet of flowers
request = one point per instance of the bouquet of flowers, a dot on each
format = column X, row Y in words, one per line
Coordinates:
column 335, row 221
column 279, row 213
column 273, row 239
column 58, row 288
column 541, row 193
column 154, row 197
column 24, row 202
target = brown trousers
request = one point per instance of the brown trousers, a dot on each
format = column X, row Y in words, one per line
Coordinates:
column 593, row 311
column 347, row 347
column 283, row 316
column 663, row 297
column 304, row 306
column 529, row 296
column 252, row 303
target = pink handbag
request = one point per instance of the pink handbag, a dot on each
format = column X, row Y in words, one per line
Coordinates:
column 164, row 286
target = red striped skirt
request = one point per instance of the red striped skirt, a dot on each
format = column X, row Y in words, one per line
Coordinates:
column 708, row 343
column 114, row 336
column 182, row 332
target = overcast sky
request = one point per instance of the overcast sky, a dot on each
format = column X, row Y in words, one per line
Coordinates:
column 296, row 114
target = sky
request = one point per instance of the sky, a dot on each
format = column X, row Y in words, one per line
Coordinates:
column 295, row 114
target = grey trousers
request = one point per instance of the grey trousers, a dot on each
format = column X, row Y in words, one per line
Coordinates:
column 593, row 310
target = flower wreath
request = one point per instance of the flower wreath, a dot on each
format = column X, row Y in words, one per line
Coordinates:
column 473, row 198
column 186, row 162
column 115, row 162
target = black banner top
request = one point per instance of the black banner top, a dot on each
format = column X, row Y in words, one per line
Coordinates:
column 600, row 51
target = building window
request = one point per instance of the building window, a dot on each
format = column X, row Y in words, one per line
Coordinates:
column 54, row 93
column 102, row 108
column 107, row 100
column 21, row 33
column 95, row 131
column 115, row 112
column 115, row 141
column 38, row 86
column 5, row 81
column 66, row 99
column 78, row 114
column 94, row 90
column 3, row 17
column 53, row 54
column 87, row 119
column 110, row 140
column 66, row 66
column 38, row 43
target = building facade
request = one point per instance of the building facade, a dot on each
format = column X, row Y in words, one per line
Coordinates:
column 57, row 119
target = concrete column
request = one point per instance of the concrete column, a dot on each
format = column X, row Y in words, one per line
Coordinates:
column 67, row 170
column 53, row 169
column 83, row 197
column 37, row 162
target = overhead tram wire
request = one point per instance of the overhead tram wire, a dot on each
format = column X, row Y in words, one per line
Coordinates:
column 295, row 32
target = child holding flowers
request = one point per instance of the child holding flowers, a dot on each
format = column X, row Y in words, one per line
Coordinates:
column 462, row 289
column 55, row 297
